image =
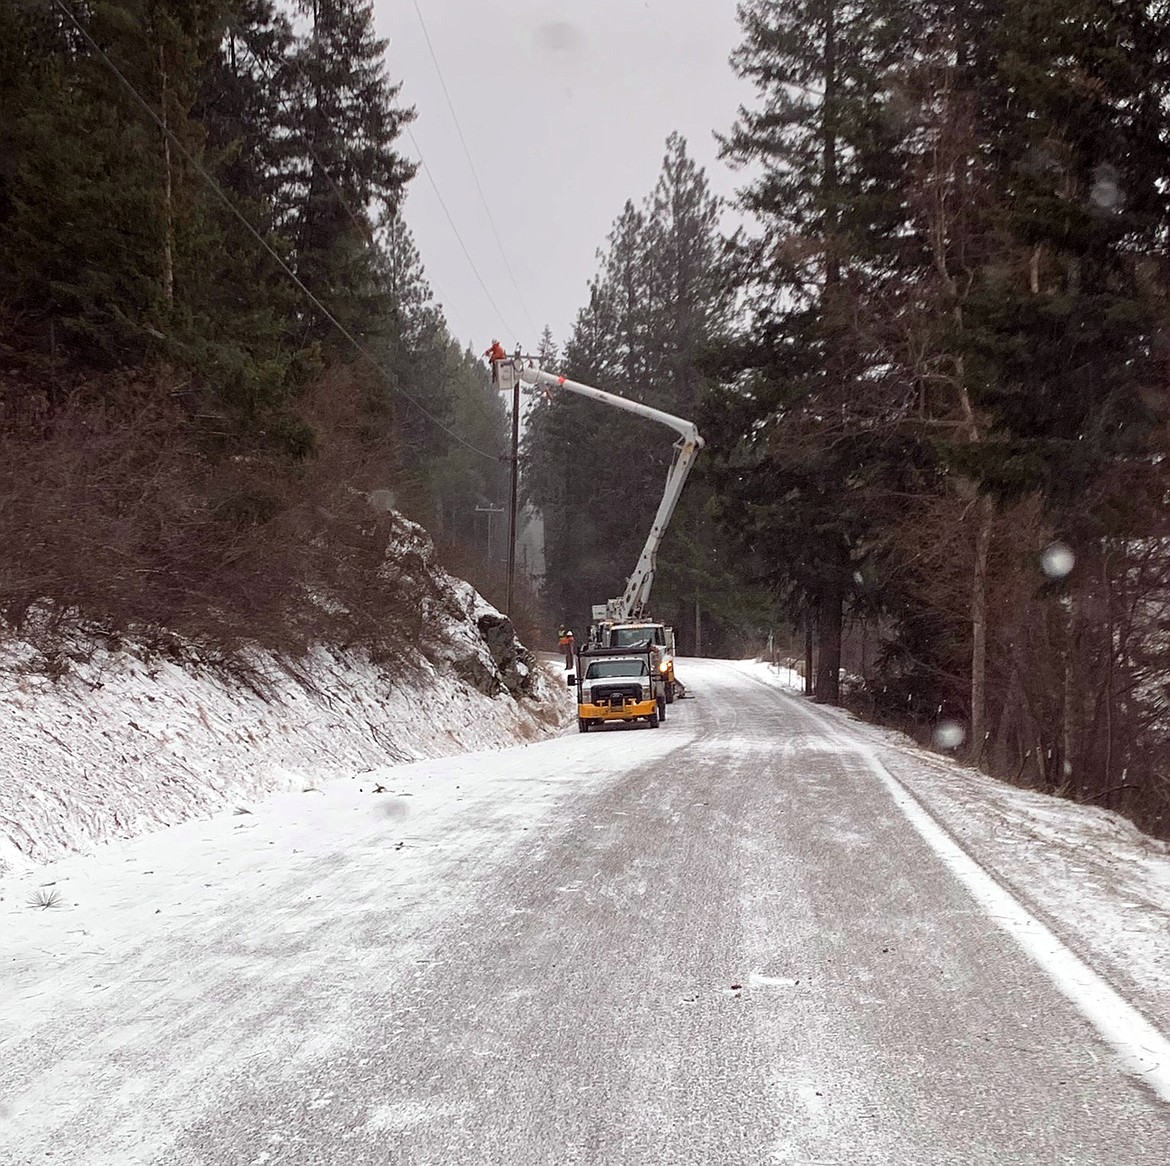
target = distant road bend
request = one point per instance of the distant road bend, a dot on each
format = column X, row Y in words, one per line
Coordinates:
column 726, row 941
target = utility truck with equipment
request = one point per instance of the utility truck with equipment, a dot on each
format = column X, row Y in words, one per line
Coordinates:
column 632, row 633
column 624, row 622
column 617, row 684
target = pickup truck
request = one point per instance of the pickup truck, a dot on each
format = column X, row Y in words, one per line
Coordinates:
column 617, row 684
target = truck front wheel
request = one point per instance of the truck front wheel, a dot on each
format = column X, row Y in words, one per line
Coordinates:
column 670, row 692
column 653, row 718
column 582, row 725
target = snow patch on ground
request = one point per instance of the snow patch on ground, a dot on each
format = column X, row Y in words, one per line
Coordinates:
column 124, row 744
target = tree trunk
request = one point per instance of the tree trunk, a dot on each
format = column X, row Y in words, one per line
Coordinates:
column 830, row 617
column 979, row 630
column 808, row 653
column 168, row 272
column 1069, row 702
column 1008, row 749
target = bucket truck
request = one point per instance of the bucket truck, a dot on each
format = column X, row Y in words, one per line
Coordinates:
column 624, row 622
column 617, row 684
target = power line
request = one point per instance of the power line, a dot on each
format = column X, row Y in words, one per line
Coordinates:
column 362, row 223
column 364, row 227
column 438, row 194
column 217, row 190
column 471, row 164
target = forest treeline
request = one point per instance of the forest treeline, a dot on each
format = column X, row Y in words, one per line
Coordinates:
column 927, row 348
column 931, row 368
column 217, row 341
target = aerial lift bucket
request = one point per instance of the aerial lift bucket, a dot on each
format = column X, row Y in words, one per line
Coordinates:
column 506, row 376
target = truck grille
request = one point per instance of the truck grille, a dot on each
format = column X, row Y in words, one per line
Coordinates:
column 616, row 694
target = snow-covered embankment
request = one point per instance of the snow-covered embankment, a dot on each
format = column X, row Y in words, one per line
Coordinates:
column 125, row 742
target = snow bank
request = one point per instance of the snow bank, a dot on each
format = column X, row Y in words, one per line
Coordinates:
column 125, row 742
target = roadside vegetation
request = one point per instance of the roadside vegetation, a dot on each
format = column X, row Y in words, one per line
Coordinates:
column 927, row 348
column 221, row 365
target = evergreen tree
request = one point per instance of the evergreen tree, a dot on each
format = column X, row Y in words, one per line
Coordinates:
column 657, row 300
column 1060, row 329
column 342, row 169
column 459, row 480
column 97, row 194
column 414, row 346
column 956, row 312
column 547, row 350
column 243, row 106
column 809, row 419
column 243, row 308
column 563, row 460
column 688, row 313
column 689, row 305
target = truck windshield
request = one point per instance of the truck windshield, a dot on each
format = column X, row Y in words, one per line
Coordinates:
column 628, row 637
column 603, row 669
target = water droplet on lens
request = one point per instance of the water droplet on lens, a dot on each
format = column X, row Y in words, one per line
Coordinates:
column 1057, row 561
column 949, row 735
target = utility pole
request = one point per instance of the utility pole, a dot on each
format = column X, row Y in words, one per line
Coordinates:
column 505, row 376
column 515, row 487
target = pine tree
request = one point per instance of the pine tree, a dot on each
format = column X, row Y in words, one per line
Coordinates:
column 243, row 105
column 36, row 57
column 242, row 308
column 688, row 312
column 98, row 191
column 564, row 461
column 547, row 351
column 1061, row 326
column 690, row 304
column 654, row 305
column 459, row 479
column 815, row 396
column 342, row 168
column 414, row 345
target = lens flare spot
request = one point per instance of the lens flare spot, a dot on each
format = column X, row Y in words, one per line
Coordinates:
column 1057, row 561
column 949, row 735
column 383, row 500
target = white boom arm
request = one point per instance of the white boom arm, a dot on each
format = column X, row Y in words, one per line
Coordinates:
column 637, row 593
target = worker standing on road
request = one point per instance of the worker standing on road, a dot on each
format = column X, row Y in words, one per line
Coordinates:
column 567, row 645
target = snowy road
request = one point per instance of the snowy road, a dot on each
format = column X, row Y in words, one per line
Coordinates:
column 723, row 941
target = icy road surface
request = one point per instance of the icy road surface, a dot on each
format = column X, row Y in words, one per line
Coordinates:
column 737, row 939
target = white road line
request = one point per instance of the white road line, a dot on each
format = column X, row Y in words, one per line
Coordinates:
column 1143, row 1050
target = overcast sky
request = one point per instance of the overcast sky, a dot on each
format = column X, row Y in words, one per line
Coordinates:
column 565, row 108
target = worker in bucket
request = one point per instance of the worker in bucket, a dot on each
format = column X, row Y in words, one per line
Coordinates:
column 495, row 353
